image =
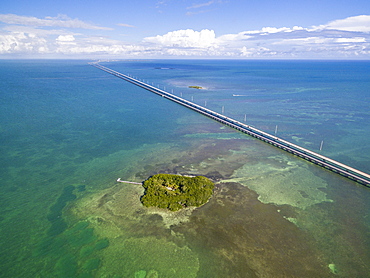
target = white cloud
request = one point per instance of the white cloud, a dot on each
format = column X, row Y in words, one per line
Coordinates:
column 345, row 38
column 37, row 31
column 342, row 38
column 304, row 41
column 185, row 38
column 253, row 51
column 272, row 30
column 351, row 40
column 125, row 25
column 66, row 38
column 22, row 43
column 59, row 21
column 229, row 38
column 269, row 42
column 88, row 49
column 201, row 5
column 359, row 23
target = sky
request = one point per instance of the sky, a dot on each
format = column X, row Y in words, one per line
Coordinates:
column 179, row 29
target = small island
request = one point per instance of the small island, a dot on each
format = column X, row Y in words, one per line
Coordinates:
column 196, row 87
column 175, row 192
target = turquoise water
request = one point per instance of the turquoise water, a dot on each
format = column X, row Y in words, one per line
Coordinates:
column 69, row 130
column 313, row 100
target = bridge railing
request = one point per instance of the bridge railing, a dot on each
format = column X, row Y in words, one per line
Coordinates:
column 311, row 156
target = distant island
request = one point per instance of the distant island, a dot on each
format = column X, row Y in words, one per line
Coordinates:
column 175, row 192
column 196, row 87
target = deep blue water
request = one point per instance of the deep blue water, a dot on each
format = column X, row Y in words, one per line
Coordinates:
column 68, row 130
column 314, row 100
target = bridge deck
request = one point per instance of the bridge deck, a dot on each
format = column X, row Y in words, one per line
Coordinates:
column 323, row 161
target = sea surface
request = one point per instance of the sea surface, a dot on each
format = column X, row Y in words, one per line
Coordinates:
column 69, row 130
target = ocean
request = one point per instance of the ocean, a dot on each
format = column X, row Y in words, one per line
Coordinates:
column 69, row 130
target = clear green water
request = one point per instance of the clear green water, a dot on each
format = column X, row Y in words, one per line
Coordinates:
column 68, row 131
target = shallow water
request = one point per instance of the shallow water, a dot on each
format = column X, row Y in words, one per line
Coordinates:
column 68, row 131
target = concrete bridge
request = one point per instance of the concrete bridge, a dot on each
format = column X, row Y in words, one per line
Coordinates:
column 323, row 161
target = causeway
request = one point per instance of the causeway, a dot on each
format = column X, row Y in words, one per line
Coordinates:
column 318, row 159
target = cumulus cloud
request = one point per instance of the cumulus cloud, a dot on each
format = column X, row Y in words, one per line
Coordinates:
column 66, row 38
column 344, row 38
column 185, row 38
column 22, row 43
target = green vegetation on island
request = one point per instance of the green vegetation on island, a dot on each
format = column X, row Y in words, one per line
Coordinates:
column 175, row 192
column 196, row 87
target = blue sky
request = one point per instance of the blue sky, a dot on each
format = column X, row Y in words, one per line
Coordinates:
column 326, row 29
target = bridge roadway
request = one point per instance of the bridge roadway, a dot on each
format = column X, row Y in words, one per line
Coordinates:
column 323, row 161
